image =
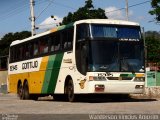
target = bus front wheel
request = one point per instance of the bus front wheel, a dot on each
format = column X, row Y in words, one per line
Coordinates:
column 70, row 91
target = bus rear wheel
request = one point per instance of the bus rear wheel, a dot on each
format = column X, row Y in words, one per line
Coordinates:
column 20, row 91
column 71, row 97
column 25, row 94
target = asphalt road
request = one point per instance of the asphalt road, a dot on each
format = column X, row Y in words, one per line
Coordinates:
column 47, row 108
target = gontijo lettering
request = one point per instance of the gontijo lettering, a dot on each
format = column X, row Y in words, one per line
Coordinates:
column 29, row 65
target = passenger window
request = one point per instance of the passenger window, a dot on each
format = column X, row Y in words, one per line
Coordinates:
column 26, row 51
column 44, row 46
column 21, row 52
column 35, row 48
column 70, row 39
column 57, row 42
column 52, row 43
column 64, row 38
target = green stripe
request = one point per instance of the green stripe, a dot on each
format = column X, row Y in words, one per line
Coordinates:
column 48, row 73
column 52, row 73
column 55, row 73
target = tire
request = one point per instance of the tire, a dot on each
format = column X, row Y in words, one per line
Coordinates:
column 26, row 95
column 20, row 91
column 71, row 97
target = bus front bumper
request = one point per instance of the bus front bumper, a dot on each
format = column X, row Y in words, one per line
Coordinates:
column 117, row 87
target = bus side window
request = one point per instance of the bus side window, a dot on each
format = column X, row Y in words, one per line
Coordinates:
column 67, row 38
column 43, row 45
column 12, row 52
column 70, row 39
column 26, row 51
column 21, row 52
column 51, row 42
column 30, row 47
column 35, row 48
column 82, row 31
column 64, row 40
column 17, row 55
column 57, row 42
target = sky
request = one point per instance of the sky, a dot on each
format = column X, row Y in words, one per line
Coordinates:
column 15, row 14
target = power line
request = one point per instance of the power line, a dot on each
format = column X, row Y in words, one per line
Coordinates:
column 44, row 9
column 16, row 10
column 128, row 6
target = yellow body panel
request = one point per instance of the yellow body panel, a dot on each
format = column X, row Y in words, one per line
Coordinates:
column 13, row 81
column 35, row 79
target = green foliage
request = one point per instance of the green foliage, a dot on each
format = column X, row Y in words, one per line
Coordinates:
column 86, row 12
column 156, row 9
column 8, row 38
column 153, row 46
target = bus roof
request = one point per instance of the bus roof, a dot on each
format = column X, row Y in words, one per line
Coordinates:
column 107, row 21
column 96, row 21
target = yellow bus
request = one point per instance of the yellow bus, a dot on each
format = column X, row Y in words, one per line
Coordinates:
column 93, row 56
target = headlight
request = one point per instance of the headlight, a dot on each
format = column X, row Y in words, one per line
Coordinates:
column 139, row 79
column 97, row 78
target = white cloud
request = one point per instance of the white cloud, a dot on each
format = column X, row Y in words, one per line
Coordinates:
column 140, row 18
column 113, row 13
column 50, row 22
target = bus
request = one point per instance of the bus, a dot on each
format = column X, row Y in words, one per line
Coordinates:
column 92, row 56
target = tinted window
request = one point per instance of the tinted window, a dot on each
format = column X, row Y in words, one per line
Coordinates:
column 121, row 32
column 35, row 48
column 82, row 31
column 43, row 45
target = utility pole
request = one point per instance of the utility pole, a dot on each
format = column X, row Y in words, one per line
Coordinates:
column 127, row 16
column 32, row 3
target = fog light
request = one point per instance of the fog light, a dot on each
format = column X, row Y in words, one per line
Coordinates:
column 139, row 86
column 99, row 88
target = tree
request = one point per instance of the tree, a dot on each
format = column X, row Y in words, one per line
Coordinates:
column 86, row 12
column 8, row 38
column 153, row 46
column 156, row 9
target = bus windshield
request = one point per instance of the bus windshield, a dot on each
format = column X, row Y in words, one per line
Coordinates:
column 121, row 32
column 113, row 56
column 122, row 50
column 109, row 48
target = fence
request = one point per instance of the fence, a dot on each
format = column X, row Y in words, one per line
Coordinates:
column 152, row 88
column 153, row 79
